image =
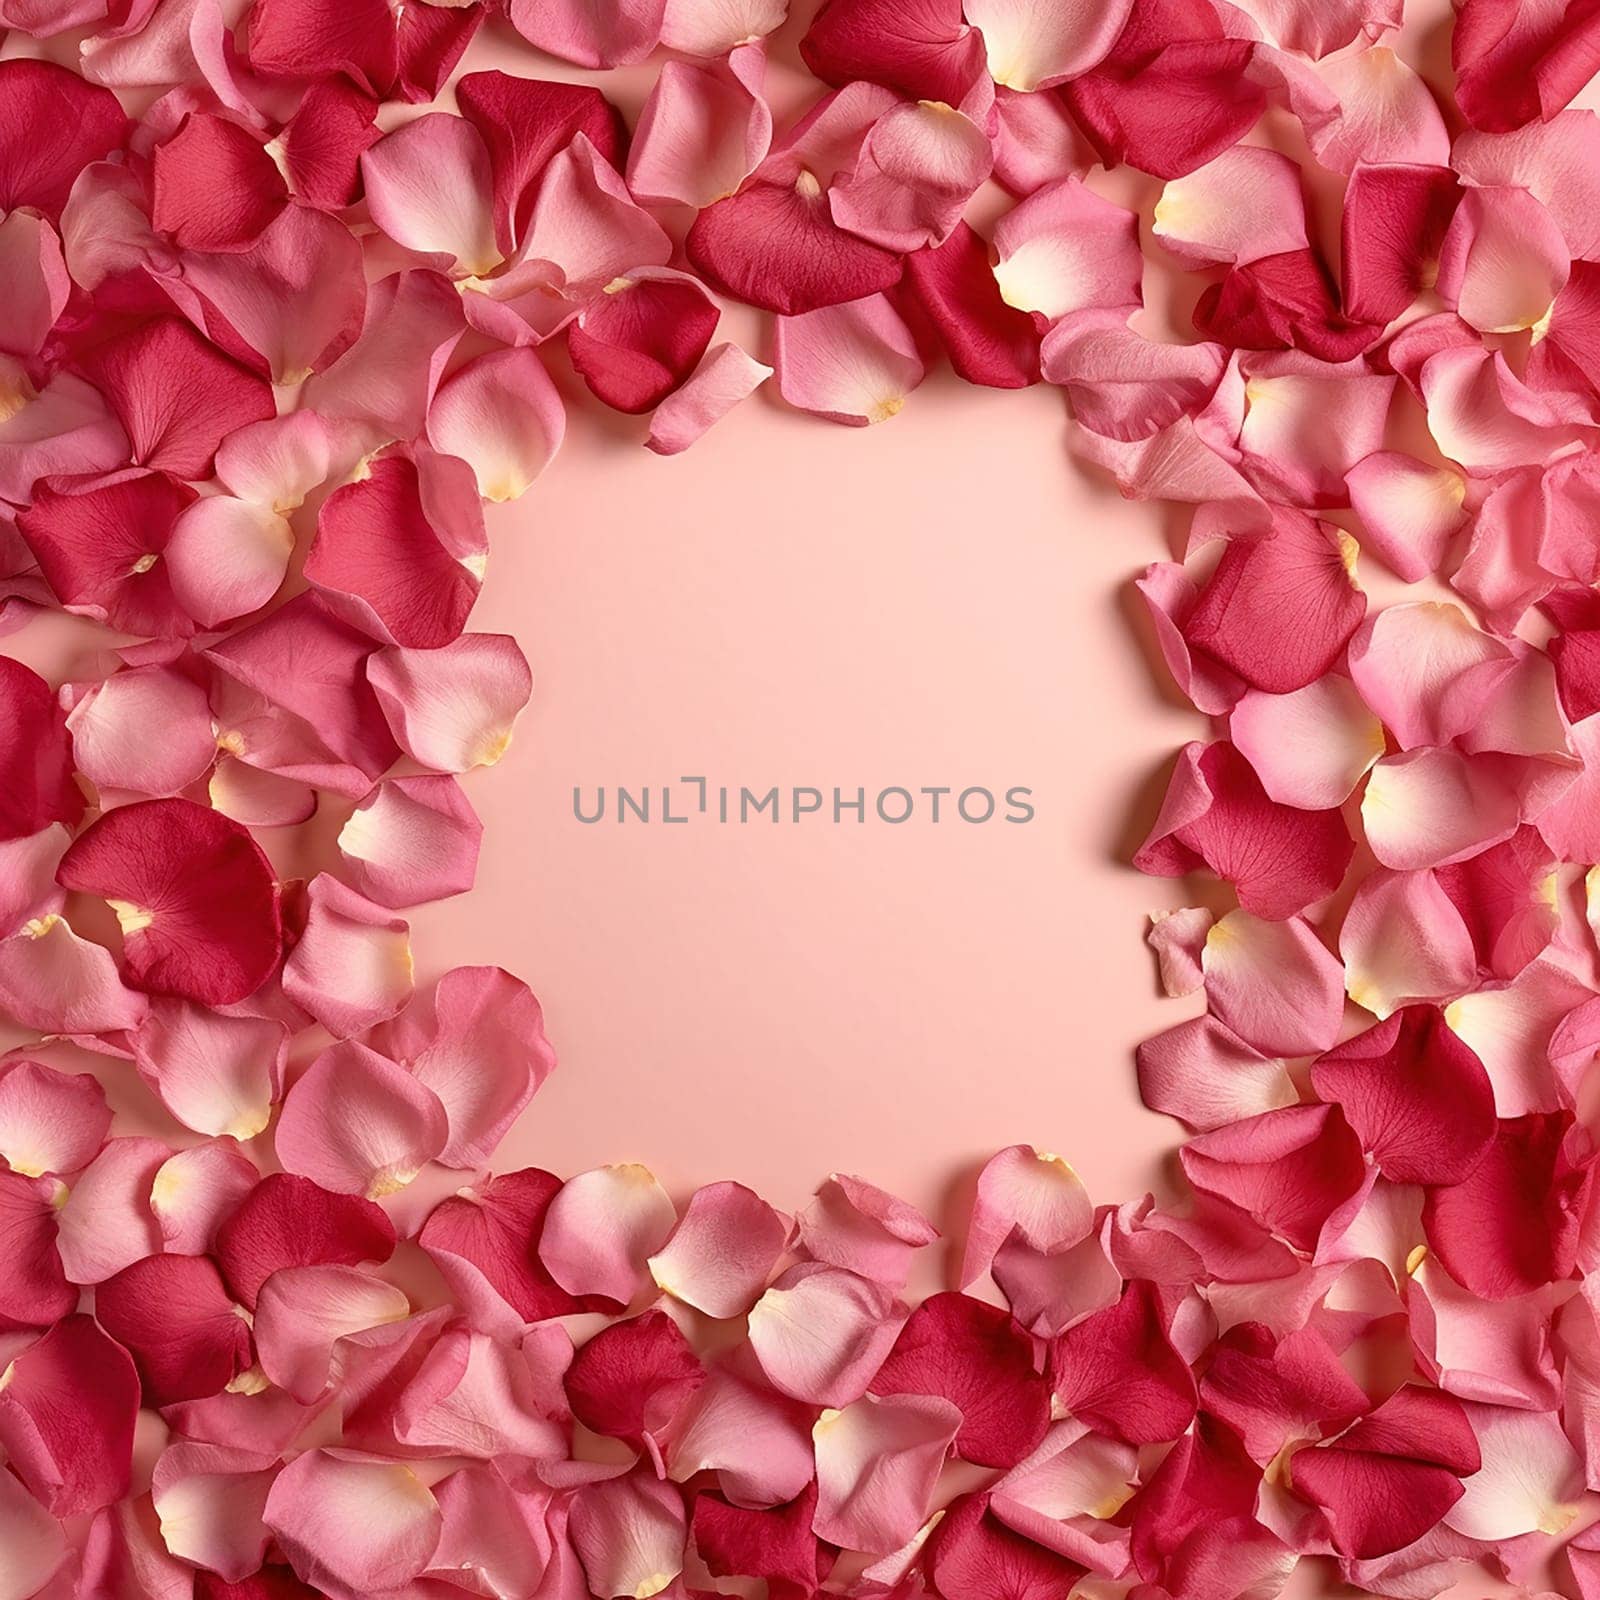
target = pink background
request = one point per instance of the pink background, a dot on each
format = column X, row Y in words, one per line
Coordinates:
column 940, row 600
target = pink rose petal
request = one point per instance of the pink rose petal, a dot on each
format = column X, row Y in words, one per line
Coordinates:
column 852, row 364
column 356, row 1123
column 602, row 1228
column 50, row 1122
column 722, row 1251
column 453, row 709
column 727, row 376
column 820, row 1333
column 501, row 414
column 352, row 966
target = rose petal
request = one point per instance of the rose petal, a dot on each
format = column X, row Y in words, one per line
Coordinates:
column 501, row 414
column 210, row 1499
column 302, row 1313
column 1065, row 249
column 629, row 1535
column 196, row 1190
column 111, row 723
column 453, row 709
column 352, row 966
column 725, row 377
column 106, row 1221
column 855, row 1225
column 722, row 1251
column 1245, row 204
column 602, row 1228
column 642, row 337
column 1206, row 1076
column 820, row 1333
column 50, row 1122
column 852, row 364
column 1310, row 747
column 703, row 130
column 1034, row 46
column 174, row 1316
column 356, row 1123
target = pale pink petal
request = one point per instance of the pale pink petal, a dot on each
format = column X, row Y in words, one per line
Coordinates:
column 601, row 1230
column 1554, row 160
column 756, row 1441
column 917, row 168
column 352, row 1527
column 277, row 463
column 722, row 1251
column 111, row 731
column 1033, row 44
column 357, row 1123
column 194, row 1191
column 877, row 1463
column 856, row 1225
column 1510, row 1029
column 216, row 1074
column 1207, row 1076
column 106, row 1222
column 1066, row 249
column 1431, row 807
column 854, row 364
column 490, row 1398
column 227, row 557
column 1123, row 385
column 821, row 1333
column 1029, row 1192
column 1244, row 204
column 714, row 27
column 411, row 840
column 478, row 1042
column 257, row 798
column 1386, row 114
column 428, row 186
column 1405, row 661
column 1403, row 940
column 34, row 1542
column 1311, row 747
column 28, row 888
column 1275, row 984
column 33, row 281
column 1178, row 938
column 495, row 1540
column 1530, row 1481
column 585, row 232
column 592, row 33
column 64, row 427
column 1496, row 1351
column 352, row 966
column 1503, row 262
column 50, row 1121
column 726, row 376
column 703, row 131
column 1409, row 511
column 302, row 1313
column 210, row 1499
column 55, row 982
column 501, row 414
column 387, row 378
column 1485, row 418
column 453, row 709
column 123, row 1556
column 629, row 1535
column 1307, row 422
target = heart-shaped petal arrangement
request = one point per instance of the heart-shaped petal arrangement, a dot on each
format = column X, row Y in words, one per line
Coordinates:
column 282, row 283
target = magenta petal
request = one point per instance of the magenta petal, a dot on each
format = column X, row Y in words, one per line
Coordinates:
column 196, row 898
column 34, row 1291
column 1289, row 1169
column 776, row 246
column 980, row 1358
column 176, row 395
column 356, row 1123
column 633, row 1378
column 91, row 124
column 215, row 187
column 1517, row 63
column 67, row 1416
column 988, row 341
column 1415, row 1094
column 1119, row 1372
column 401, row 550
column 292, row 1222
column 779, row 1544
column 1510, row 1226
column 100, row 546
column 642, row 337
column 974, row 1554
column 36, row 755
column 175, row 1317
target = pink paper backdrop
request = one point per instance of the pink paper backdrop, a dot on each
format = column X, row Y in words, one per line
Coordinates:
column 941, row 600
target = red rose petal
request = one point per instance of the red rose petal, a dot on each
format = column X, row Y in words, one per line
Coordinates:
column 197, row 900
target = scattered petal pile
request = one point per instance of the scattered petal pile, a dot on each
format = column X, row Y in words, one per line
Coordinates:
column 284, row 283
